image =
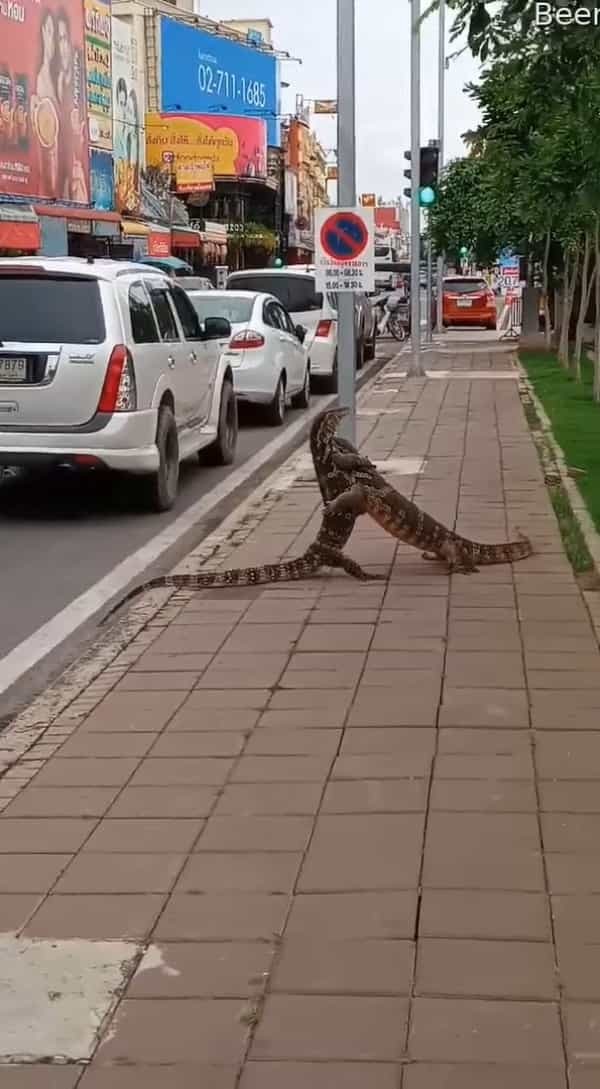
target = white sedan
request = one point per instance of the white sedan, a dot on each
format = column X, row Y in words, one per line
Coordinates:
column 266, row 351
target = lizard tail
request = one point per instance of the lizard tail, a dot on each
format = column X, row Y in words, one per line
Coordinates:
column 485, row 555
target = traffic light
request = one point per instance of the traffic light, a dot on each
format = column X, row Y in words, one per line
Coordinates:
column 407, row 174
column 428, row 176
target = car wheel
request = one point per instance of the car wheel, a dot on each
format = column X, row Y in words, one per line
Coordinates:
column 331, row 382
column 302, row 399
column 275, row 413
column 360, row 354
column 162, row 486
column 222, row 450
column 371, row 347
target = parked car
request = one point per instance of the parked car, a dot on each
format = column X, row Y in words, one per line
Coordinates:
column 468, row 300
column 295, row 288
column 111, row 368
column 267, row 351
column 195, row 283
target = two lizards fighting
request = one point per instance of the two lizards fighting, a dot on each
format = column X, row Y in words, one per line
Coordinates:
column 351, row 486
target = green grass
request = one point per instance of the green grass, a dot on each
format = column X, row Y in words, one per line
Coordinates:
column 570, row 531
column 575, row 420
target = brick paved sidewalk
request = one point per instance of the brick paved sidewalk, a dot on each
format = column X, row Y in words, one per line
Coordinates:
column 352, row 831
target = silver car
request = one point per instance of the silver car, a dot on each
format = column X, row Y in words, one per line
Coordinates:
column 105, row 364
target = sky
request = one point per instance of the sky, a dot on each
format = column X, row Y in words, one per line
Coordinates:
column 307, row 29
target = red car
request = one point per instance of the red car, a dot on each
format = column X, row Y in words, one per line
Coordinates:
column 469, row 301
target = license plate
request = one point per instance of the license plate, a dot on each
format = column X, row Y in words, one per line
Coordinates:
column 464, row 302
column 13, row 369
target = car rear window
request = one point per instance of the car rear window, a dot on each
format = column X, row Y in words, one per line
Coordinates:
column 465, row 287
column 53, row 310
column 232, row 307
column 295, row 293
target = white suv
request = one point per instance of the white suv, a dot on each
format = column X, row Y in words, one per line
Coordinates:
column 295, row 288
column 105, row 364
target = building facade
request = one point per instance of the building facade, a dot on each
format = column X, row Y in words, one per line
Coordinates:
column 305, row 161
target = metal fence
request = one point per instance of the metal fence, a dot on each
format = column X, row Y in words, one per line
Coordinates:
column 512, row 318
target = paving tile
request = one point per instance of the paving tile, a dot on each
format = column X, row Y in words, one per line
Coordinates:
column 313, row 966
column 96, row 917
column 15, row 909
column 255, row 799
column 277, row 742
column 583, row 1033
column 264, row 833
column 227, row 699
column 576, row 918
column 497, row 669
column 86, row 772
column 483, row 796
column 513, row 766
column 116, row 873
column 373, row 740
column 321, row 718
column 202, row 970
column 261, row 675
column 376, row 796
column 363, row 915
column 155, row 836
column 83, row 744
column 158, row 663
column 251, row 871
column 161, row 1031
column 481, row 635
column 579, row 967
column 382, row 766
column 485, row 969
column 164, row 771
column 572, row 833
column 482, row 1076
column 306, row 1075
column 498, row 851
column 163, row 802
column 40, row 1076
column 573, row 873
column 280, row 769
column 569, row 797
column 170, row 681
column 198, row 719
column 31, row 872
column 192, row 639
column 199, row 743
column 458, row 913
column 468, row 1030
column 53, row 802
column 234, row 916
column 363, row 853
column 121, row 712
column 329, row 1028
column 181, row 1076
column 486, row 707
column 317, row 637
column 568, row 755
column 478, row 742
column 27, row 835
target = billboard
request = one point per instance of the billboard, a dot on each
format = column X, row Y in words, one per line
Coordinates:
column 236, row 147
column 43, row 122
column 202, row 73
column 102, row 180
column 128, row 113
column 98, row 66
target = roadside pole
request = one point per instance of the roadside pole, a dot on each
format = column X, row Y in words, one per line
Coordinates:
column 429, row 330
column 415, row 367
column 441, row 135
column 346, row 141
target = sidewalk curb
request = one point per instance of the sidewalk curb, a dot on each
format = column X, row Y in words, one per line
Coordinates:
column 84, row 683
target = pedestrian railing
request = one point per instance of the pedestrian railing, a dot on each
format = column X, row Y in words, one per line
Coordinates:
column 511, row 319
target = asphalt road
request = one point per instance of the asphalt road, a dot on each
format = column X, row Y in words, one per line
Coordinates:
column 59, row 537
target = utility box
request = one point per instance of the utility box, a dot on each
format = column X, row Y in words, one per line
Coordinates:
column 530, row 320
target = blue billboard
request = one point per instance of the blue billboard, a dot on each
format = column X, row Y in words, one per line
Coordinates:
column 201, row 73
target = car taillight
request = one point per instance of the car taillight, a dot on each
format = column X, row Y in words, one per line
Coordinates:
column 246, row 339
column 323, row 328
column 119, row 392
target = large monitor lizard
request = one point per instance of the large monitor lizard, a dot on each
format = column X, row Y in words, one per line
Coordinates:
column 371, row 494
column 333, row 460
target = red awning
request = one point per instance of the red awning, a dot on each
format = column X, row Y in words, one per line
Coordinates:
column 187, row 240
column 19, row 227
column 63, row 212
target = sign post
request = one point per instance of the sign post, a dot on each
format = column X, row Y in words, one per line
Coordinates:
column 346, row 142
column 416, row 368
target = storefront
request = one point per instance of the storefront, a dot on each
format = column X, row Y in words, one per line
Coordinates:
column 78, row 232
column 146, row 239
column 19, row 230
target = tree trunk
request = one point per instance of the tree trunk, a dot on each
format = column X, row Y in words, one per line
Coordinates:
column 596, row 390
column 545, row 289
column 587, row 282
column 570, row 279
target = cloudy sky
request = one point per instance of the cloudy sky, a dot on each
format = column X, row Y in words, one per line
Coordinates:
column 307, row 29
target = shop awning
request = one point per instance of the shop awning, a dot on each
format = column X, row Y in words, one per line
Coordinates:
column 130, row 228
column 19, row 227
column 186, row 238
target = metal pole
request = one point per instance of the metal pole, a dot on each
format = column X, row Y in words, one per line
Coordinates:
column 346, row 142
column 429, row 331
column 415, row 369
column 441, row 134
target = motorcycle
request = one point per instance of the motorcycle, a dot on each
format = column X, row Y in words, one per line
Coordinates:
column 392, row 314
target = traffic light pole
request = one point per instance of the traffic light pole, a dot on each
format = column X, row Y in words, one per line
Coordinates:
column 429, row 330
column 346, row 142
column 415, row 368
column 441, row 135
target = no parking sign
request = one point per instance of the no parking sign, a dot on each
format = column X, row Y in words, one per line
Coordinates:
column 345, row 249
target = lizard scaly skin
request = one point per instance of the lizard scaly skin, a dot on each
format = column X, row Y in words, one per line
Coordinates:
column 332, row 458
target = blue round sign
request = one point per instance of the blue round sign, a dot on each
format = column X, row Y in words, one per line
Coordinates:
column 344, row 236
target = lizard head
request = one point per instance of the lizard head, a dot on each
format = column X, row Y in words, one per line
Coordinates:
column 326, row 424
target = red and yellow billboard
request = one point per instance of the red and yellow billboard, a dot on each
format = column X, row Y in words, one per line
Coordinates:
column 235, row 147
column 43, row 119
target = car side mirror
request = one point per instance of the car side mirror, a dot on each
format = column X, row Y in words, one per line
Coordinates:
column 216, row 328
column 301, row 333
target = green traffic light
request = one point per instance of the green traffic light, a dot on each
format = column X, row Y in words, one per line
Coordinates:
column 463, row 251
column 427, row 196
column 278, row 262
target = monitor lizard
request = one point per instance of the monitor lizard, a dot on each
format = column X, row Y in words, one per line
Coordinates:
column 334, row 460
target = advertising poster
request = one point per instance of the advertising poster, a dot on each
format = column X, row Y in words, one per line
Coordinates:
column 98, row 63
column 102, row 180
column 128, row 114
column 202, row 73
column 235, row 146
column 43, row 123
